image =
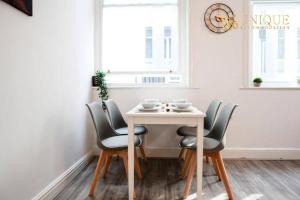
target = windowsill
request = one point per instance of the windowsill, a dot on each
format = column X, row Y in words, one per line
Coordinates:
column 273, row 86
column 148, row 87
column 269, row 88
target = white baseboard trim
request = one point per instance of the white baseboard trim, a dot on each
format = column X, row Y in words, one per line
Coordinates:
column 162, row 152
column 153, row 152
column 56, row 186
column 262, row 153
column 237, row 153
column 232, row 153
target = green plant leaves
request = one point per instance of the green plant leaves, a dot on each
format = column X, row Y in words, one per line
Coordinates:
column 102, row 88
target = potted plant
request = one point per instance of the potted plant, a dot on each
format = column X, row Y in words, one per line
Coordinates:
column 102, row 86
column 257, row 81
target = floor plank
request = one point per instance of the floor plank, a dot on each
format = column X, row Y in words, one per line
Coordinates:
column 250, row 180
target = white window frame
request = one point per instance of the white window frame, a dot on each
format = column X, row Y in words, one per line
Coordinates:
column 248, row 35
column 183, row 51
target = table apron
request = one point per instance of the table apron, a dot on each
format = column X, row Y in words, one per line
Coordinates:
column 166, row 120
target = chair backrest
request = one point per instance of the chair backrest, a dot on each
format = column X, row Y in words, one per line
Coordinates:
column 218, row 130
column 211, row 114
column 101, row 123
column 116, row 119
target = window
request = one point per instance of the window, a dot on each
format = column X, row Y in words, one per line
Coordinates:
column 280, row 50
column 275, row 41
column 167, row 43
column 148, row 44
column 298, row 49
column 140, row 42
column 263, row 38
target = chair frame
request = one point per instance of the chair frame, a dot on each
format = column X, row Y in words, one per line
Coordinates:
column 182, row 152
column 217, row 132
column 189, row 167
column 123, row 123
column 105, row 158
column 106, row 154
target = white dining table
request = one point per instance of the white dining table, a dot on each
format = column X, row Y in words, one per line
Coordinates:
column 161, row 116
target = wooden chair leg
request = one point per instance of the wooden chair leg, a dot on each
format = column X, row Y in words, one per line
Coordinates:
column 190, row 175
column 184, row 154
column 181, row 153
column 189, row 163
column 98, row 169
column 142, row 149
column 217, row 169
column 125, row 161
column 137, row 165
column 107, row 163
column 186, row 164
column 224, row 175
column 207, row 159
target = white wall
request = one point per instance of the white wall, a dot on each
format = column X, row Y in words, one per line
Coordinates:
column 46, row 63
column 266, row 123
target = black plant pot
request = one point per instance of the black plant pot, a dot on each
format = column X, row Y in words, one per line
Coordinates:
column 95, row 82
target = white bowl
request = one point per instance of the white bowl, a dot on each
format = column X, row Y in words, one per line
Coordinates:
column 151, row 100
column 183, row 105
column 179, row 100
column 148, row 105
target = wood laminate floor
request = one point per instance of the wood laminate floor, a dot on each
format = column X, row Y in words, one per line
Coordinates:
column 250, row 180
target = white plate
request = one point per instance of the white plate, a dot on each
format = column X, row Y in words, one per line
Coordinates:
column 148, row 110
column 189, row 109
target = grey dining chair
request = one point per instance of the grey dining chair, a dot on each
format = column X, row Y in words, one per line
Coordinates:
column 120, row 126
column 209, row 120
column 212, row 146
column 110, row 144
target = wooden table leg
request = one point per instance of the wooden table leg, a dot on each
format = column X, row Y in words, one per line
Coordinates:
column 130, row 158
column 199, row 157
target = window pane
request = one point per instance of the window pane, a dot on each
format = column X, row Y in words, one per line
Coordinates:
column 148, row 32
column 281, row 44
column 148, row 45
column 167, row 43
column 276, row 40
column 263, row 38
column 298, row 42
column 148, row 48
column 133, row 36
column 168, row 31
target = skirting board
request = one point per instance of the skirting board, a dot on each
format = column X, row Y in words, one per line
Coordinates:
column 262, row 153
column 153, row 152
column 232, row 153
column 56, row 186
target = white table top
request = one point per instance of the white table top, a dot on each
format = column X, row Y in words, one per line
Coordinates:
column 135, row 112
